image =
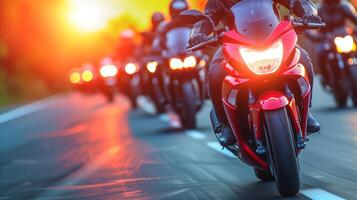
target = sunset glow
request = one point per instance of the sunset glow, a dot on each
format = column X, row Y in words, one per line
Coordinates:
column 90, row 15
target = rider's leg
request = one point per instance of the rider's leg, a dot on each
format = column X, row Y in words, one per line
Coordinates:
column 322, row 62
column 219, row 119
column 312, row 124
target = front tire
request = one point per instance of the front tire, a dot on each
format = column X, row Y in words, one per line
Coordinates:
column 188, row 112
column 282, row 157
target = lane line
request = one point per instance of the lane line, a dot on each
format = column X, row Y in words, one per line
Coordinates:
column 195, row 134
column 319, row 194
column 164, row 117
column 27, row 109
column 217, row 147
column 146, row 105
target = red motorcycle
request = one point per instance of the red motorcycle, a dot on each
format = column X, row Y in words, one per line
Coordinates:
column 267, row 92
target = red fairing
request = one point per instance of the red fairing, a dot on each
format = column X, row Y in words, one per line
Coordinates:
column 272, row 100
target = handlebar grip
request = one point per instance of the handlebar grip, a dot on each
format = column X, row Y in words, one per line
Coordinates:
column 308, row 25
column 209, row 40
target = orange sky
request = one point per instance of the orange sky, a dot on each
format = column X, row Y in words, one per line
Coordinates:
column 39, row 35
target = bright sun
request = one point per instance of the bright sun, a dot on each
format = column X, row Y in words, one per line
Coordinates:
column 89, row 15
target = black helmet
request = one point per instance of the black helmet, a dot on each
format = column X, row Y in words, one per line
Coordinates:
column 156, row 19
column 177, row 6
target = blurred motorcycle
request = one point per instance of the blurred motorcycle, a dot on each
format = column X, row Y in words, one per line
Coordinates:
column 184, row 76
column 129, row 81
column 152, row 83
column 340, row 73
column 108, row 75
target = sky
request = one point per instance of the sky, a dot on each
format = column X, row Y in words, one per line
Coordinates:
column 47, row 37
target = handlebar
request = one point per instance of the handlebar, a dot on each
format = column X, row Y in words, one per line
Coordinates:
column 210, row 40
column 300, row 24
column 296, row 23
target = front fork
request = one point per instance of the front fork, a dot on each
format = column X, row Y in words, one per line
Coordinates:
column 256, row 123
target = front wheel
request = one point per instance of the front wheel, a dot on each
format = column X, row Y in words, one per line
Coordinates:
column 281, row 150
column 188, row 112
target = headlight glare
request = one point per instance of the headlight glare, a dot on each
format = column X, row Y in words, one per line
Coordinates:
column 265, row 61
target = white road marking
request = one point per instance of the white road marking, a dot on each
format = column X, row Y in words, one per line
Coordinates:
column 27, row 109
column 164, row 117
column 217, row 147
column 195, row 134
column 146, row 105
column 319, row 194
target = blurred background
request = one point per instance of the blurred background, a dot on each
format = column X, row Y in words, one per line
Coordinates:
column 41, row 40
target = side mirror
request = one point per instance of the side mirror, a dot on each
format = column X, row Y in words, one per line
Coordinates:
column 191, row 16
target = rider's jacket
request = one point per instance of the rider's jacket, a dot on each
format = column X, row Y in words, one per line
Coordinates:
column 336, row 15
column 160, row 40
column 219, row 10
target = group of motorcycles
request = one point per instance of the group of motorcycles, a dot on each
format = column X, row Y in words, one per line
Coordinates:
column 266, row 93
column 174, row 81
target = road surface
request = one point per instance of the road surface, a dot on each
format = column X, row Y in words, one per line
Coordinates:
column 80, row 147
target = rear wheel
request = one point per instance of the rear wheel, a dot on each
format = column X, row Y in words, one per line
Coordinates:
column 354, row 84
column 263, row 175
column 282, row 157
column 188, row 112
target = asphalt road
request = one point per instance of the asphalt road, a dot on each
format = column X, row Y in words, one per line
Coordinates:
column 80, row 147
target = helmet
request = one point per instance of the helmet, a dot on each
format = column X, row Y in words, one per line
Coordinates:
column 127, row 34
column 177, row 6
column 156, row 19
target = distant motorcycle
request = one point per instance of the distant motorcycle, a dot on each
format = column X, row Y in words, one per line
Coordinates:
column 108, row 72
column 184, row 77
column 129, row 81
column 152, row 83
column 266, row 93
column 341, row 69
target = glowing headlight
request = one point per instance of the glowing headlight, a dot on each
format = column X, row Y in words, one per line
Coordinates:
column 75, row 77
column 265, row 61
column 131, row 68
column 87, row 76
column 189, row 62
column 345, row 44
column 176, row 63
column 108, row 71
column 151, row 66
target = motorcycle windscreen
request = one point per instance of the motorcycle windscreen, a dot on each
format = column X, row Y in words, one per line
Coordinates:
column 177, row 40
column 255, row 19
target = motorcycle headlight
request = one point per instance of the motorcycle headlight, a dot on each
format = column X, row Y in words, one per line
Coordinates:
column 108, row 71
column 151, row 66
column 131, row 68
column 190, row 62
column 176, row 63
column 87, row 76
column 345, row 44
column 265, row 61
column 75, row 77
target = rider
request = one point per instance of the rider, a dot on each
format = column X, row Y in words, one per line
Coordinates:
column 219, row 11
column 147, row 37
column 175, row 8
column 343, row 11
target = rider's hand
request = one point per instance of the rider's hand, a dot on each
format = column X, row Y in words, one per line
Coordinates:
column 311, row 18
column 197, row 39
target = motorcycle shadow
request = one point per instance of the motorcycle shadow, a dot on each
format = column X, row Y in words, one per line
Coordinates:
column 260, row 190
